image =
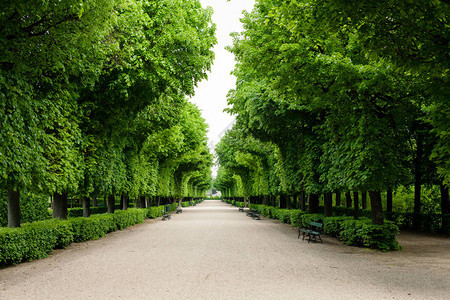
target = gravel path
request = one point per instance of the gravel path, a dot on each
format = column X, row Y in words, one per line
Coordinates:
column 212, row 251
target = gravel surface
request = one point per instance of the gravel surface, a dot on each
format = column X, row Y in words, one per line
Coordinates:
column 212, row 251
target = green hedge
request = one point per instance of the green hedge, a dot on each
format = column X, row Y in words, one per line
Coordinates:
column 332, row 225
column 36, row 240
column 360, row 232
column 364, row 234
column 33, row 240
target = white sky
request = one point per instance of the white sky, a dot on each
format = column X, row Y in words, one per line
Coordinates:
column 210, row 95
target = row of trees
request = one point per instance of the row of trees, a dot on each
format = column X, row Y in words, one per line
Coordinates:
column 339, row 96
column 93, row 100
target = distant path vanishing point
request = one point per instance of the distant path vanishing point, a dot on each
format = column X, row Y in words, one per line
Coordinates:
column 212, row 251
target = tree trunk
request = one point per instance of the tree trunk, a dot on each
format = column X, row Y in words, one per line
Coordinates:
column 13, row 208
column 94, row 202
column 288, row 202
column 389, row 203
column 313, row 204
column 348, row 199
column 159, row 201
column 60, row 205
column 418, row 182
column 125, row 201
column 338, row 198
column 86, row 202
column 283, row 201
column 364, row 200
column 328, row 204
column 137, row 203
column 295, row 201
column 142, row 200
column 302, row 201
column 377, row 208
column 417, row 204
column 111, row 204
column 355, row 206
column 445, row 207
column 121, row 202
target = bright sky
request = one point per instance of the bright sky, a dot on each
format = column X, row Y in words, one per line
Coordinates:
column 210, row 95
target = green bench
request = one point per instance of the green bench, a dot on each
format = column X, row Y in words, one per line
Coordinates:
column 255, row 214
column 166, row 213
column 313, row 232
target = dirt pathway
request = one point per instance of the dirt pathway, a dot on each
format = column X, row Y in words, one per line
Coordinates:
column 212, row 251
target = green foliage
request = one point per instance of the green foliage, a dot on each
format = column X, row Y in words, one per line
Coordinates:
column 36, row 240
column 92, row 118
column 363, row 233
column 155, row 212
column 332, row 225
column 308, row 218
column 33, row 207
column 283, row 215
column 33, row 241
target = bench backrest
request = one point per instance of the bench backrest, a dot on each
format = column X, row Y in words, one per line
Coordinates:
column 316, row 224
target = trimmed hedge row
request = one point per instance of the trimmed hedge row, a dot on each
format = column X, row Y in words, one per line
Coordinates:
column 361, row 233
column 36, row 240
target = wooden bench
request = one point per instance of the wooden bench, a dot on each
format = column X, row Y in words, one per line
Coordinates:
column 179, row 210
column 313, row 233
column 255, row 214
column 241, row 209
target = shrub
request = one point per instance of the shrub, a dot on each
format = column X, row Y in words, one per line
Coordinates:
column 308, row 218
column 365, row 234
column 174, row 206
column 283, row 215
column 239, row 204
column 33, row 240
column 382, row 237
column 295, row 217
column 333, row 225
column 85, row 229
column 155, row 212
column 185, row 204
column 36, row 240
column 349, row 232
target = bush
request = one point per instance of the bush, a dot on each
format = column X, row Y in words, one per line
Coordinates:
column 155, row 212
column 36, row 240
column 333, row 225
column 33, row 240
column 308, row 218
column 363, row 233
column 185, row 204
column 296, row 216
column 283, row 215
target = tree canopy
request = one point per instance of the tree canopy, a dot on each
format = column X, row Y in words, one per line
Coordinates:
column 93, row 97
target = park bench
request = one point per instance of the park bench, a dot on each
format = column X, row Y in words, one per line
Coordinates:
column 255, row 214
column 179, row 210
column 313, row 232
column 241, row 209
column 166, row 213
